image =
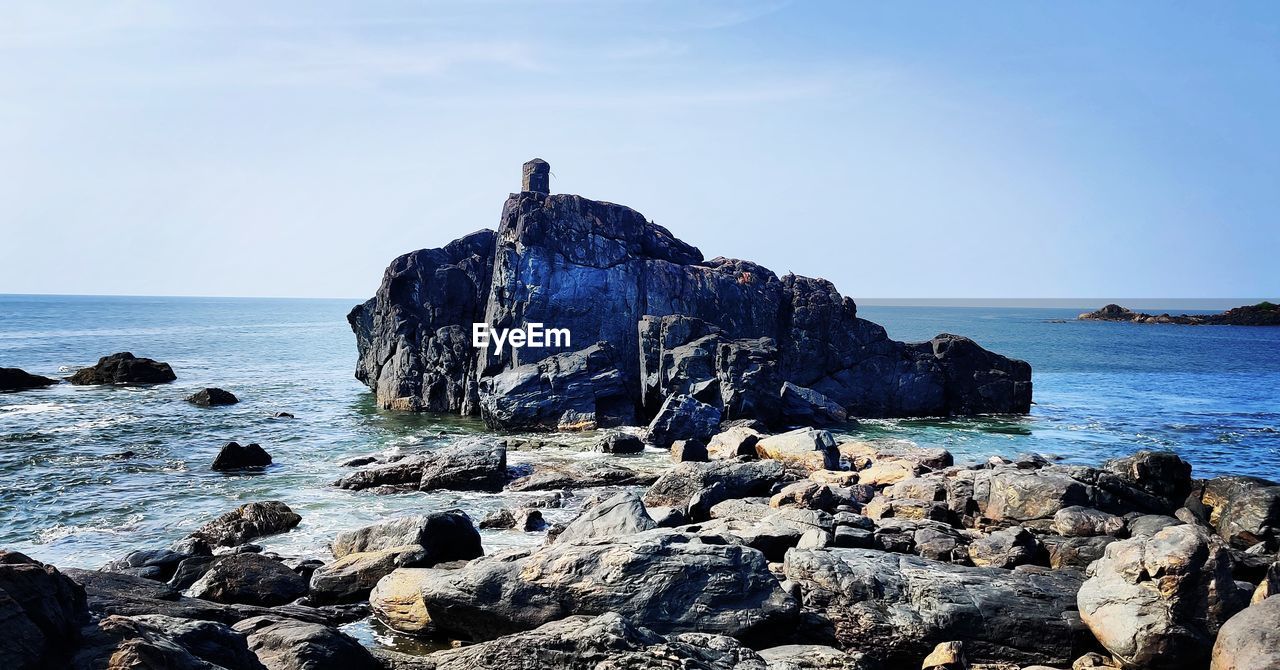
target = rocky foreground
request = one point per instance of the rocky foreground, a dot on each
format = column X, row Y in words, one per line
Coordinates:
column 766, row 551
column 650, row 319
column 1261, row 314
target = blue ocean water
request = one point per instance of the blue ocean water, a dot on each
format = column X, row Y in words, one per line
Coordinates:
column 1101, row 389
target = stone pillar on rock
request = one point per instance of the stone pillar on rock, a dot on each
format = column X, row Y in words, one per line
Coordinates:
column 537, row 176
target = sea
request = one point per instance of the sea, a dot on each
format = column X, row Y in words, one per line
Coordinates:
column 72, row 495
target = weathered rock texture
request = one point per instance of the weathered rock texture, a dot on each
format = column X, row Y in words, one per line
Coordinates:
column 124, row 368
column 599, row 269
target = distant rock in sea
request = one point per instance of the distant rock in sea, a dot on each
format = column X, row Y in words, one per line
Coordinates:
column 726, row 332
column 211, row 397
column 1261, row 314
column 124, row 368
column 14, row 379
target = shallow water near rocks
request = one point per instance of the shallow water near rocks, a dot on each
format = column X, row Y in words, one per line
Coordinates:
column 1211, row 393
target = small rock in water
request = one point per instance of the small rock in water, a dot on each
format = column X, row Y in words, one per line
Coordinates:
column 124, row 368
column 122, row 455
column 619, row 443
column 210, row 397
column 282, row 415
column 14, row 379
column 358, row 461
column 234, row 457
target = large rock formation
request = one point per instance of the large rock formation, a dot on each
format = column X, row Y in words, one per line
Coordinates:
column 1262, row 314
column 124, row 368
column 606, row 274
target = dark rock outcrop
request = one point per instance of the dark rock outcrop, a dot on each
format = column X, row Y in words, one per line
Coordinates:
column 233, row 456
column 42, row 611
column 446, row 536
column 249, row 579
column 1261, row 314
column 14, row 379
column 577, row 390
column 212, row 397
column 598, row 270
column 281, row 643
column 124, row 368
column 247, row 522
column 480, row 466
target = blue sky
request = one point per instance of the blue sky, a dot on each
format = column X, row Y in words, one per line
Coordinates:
column 948, row 150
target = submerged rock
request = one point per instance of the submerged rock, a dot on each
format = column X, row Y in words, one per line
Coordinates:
column 14, row 379
column 124, row 368
column 235, row 457
column 212, row 397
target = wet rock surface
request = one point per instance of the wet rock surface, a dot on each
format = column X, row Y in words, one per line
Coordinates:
column 124, row 368
column 15, row 379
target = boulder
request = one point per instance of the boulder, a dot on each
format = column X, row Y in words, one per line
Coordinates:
column 157, row 641
column 578, row 390
column 608, row 641
column 249, row 579
column 397, row 601
column 688, row 450
column 812, row 657
column 42, row 610
column 124, row 368
column 212, row 397
column 553, row 476
column 479, row 465
column 806, row 448
column 1006, row 548
column 157, row 564
column 525, row 519
column 805, row 406
column 618, row 443
column 1161, row 473
column 1209, row 497
column 1076, row 521
column 622, row 514
column 15, row 379
column 657, row 579
column 1075, row 552
column 1250, row 517
column 1158, row 602
column 597, row 269
column 678, row 486
column 804, row 493
column 1146, row 525
column 235, row 457
column 862, row 455
column 352, row 577
column 897, row 607
column 247, row 522
column 1250, row 639
column 682, row 418
column 733, row 442
column 287, row 644
column 444, row 536
column 946, row 656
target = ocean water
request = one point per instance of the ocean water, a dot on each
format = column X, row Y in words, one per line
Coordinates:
column 1101, row 389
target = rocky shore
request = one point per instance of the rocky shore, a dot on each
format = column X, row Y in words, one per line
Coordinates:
column 775, row 551
column 1261, row 314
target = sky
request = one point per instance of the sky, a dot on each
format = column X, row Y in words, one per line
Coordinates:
column 901, row 150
